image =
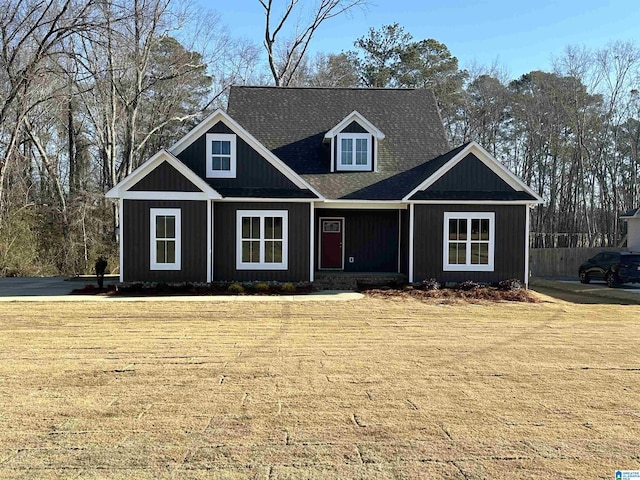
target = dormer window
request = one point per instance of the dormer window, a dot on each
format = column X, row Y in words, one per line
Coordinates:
column 221, row 155
column 354, row 144
column 354, row 151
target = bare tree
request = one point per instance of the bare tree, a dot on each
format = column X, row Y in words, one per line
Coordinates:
column 31, row 33
column 284, row 62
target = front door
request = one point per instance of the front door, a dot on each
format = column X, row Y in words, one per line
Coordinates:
column 331, row 235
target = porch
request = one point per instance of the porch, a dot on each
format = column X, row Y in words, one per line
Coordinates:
column 361, row 241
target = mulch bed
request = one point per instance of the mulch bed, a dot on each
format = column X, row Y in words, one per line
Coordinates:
column 451, row 294
column 170, row 290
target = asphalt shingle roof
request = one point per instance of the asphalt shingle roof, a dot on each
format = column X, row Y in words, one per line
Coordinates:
column 292, row 122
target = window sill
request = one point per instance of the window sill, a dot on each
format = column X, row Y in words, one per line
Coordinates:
column 261, row 266
column 358, row 168
column 468, row 268
column 221, row 174
column 165, row 266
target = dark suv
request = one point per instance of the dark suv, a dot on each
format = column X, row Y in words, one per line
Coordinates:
column 614, row 267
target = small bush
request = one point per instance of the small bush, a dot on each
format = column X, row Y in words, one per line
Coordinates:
column 235, row 289
column 467, row 285
column 262, row 288
column 288, row 288
column 510, row 285
column 431, row 284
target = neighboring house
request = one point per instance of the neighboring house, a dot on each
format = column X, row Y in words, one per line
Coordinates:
column 632, row 217
column 290, row 182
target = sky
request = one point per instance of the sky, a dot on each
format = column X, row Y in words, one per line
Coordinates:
column 520, row 36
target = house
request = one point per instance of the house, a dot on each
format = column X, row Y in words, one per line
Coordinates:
column 632, row 217
column 291, row 183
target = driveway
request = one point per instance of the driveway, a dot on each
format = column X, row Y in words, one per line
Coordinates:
column 42, row 286
column 601, row 284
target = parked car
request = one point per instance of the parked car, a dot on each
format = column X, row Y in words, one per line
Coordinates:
column 613, row 267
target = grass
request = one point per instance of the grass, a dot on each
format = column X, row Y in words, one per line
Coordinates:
column 369, row 389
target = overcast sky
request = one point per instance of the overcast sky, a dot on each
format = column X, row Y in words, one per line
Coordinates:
column 520, row 35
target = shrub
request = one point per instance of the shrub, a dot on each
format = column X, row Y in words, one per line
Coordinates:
column 288, row 288
column 262, row 288
column 467, row 285
column 235, row 289
column 431, row 284
column 510, row 285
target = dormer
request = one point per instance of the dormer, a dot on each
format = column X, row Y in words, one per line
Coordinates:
column 354, row 146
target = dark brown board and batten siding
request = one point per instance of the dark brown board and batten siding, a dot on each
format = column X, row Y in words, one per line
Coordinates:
column 470, row 175
column 136, row 238
column 509, row 251
column 165, row 178
column 225, row 242
column 252, row 170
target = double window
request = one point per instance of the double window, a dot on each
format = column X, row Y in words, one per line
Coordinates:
column 165, row 239
column 262, row 238
column 469, row 239
column 221, row 155
column 354, row 151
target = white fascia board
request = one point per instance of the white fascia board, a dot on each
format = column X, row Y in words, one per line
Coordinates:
column 635, row 215
column 268, row 200
column 490, row 161
column 473, row 202
column 359, row 118
column 219, row 115
column 121, row 190
column 362, row 204
column 148, row 195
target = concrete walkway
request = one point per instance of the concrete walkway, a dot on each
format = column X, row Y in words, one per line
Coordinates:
column 58, row 289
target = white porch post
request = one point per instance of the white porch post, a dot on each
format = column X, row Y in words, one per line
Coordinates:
column 209, row 241
column 312, row 229
column 411, row 230
column 120, row 232
column 526, row 246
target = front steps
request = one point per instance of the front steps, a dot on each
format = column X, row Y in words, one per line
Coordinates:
column 338, row 280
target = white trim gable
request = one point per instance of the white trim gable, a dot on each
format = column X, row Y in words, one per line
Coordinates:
column 219, row 115
column 354, row 116
column 635, row 215
column 489, row 161
column 121, row 190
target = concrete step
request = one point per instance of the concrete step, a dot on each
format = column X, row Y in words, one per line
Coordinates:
column 350, row 281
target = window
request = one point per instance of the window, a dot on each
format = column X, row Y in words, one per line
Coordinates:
column 354, row 152
column 469, row 241
column 331, row 226
column 221, row 155
column 165, row 239
column 262, row 237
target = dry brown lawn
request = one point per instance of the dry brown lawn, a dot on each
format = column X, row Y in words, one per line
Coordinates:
column 368, row 389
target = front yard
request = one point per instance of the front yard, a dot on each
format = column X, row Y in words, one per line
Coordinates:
column 365, row 389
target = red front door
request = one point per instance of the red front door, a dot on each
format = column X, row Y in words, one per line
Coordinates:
column 331, row 242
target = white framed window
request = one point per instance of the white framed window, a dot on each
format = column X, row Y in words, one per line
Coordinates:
column 165, row 239
column 221, row 155
column 262, row 239
column 354, row 151
column 469, row 241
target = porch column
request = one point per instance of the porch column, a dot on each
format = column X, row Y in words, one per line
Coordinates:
column 411, row 218
column 209, row 241
column 312, row 229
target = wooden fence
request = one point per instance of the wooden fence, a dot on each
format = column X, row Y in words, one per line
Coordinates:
column 561, row 262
